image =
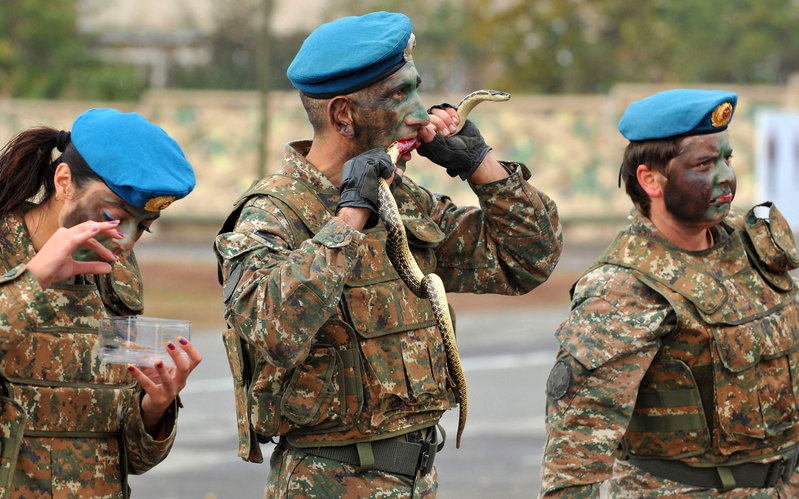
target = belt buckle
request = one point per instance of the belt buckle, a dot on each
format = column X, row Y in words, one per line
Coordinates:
column 425, row 459
column 782, row 469
column 427, row 456
column 775, row 472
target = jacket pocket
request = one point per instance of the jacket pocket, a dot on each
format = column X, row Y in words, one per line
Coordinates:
column 12, row 425
column 314, row 395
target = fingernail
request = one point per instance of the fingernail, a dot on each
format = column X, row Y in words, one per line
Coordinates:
column 182, row 340
column 170, row 345
column 115, row 222
column 130, row 368
column 116, row 257
column 121, row 234
column 452, row 128
column 159, row 364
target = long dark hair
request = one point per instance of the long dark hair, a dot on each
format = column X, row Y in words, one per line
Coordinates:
column 27, row 166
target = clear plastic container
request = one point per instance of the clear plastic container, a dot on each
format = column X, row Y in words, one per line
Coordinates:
column 140, row 340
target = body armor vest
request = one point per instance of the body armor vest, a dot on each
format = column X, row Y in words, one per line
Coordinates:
column 377, row 367
column 724, row 386
column 54, row 384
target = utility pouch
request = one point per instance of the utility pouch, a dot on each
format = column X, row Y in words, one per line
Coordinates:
column 771, row 238
column 12, row 426
column 249, row 449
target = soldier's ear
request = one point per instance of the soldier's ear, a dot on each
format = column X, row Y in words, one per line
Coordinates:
column 651, row 181
column 340, row 115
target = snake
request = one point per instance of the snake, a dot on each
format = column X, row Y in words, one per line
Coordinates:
column 429, row 286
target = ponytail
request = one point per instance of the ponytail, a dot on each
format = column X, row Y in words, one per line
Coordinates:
column 27, row 166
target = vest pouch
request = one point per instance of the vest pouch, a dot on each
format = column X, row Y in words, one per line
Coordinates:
column 393, row 323
column 668, row 422
column 755, row 399
column 314, row 395
column 12, row 425
column 772, row 239
column 423, row 233
column 249, row 449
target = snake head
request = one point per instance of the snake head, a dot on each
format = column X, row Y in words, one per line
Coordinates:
column 399, row 148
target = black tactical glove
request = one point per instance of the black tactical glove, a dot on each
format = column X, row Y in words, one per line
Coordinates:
column 460, row 154
column 359, row 180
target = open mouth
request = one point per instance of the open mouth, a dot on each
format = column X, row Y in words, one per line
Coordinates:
column 406, row 146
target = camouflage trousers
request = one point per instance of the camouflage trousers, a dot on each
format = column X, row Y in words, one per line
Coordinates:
column 294, row 474
column 630, row 482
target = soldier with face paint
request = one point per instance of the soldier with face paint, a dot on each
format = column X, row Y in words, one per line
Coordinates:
column 329, row 349
column 71, row 425
column 677, row 372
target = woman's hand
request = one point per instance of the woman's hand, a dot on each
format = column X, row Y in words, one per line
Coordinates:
column 54, row 261
column 162, row 384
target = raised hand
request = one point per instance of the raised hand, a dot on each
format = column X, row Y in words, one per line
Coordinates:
column 54, row 261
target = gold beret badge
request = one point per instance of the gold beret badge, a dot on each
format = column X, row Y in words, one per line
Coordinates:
column 158, row 203
column 721, row 115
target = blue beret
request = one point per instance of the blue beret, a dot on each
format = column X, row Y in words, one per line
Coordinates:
column 135, row 158
column 678, row 112
column 350, row 53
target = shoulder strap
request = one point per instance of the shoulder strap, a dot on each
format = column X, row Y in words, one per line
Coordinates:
column 294, row 193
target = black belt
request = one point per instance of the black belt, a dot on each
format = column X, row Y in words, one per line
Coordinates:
column 750, row 475
column 405, row 456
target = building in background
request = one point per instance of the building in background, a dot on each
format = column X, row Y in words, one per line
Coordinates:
column 161, row 37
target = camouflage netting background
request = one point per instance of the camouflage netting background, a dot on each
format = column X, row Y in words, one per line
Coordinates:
column 570, row 143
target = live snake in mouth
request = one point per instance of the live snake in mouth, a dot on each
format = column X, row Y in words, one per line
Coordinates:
column 429, row 286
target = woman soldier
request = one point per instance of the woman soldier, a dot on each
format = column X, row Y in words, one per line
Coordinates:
column 71, row 425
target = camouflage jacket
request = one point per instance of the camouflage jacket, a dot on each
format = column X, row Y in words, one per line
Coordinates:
column 672, row 354
column 298, row 279
column 74, row 420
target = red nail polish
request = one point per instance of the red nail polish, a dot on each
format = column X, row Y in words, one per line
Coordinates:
column 170, row 345
column 159, row 364
column 116, row 257
column 182, row 340
column 130, row 368
column 121, row 234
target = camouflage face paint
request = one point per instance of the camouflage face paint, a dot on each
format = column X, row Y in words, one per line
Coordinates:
column 390, row 109
column 701, row 181
column 99, row 203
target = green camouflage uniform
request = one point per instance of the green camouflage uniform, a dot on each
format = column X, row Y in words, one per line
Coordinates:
column 342, row 351
column 74, row 421
column 675, row 355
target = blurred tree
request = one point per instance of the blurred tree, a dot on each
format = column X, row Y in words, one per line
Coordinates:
column 233, row 46
column 43, row 56
column 545, row 46
column 586, row 46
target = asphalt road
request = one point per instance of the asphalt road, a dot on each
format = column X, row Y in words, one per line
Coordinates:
column 506, row 355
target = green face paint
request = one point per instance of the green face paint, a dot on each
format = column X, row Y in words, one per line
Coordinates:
column 701, row 182
column 132, row 223
column 390, row 110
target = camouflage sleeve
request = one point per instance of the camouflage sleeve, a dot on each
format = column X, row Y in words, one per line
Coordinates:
column 279, row 292
column 607, row 344
column 23, row 303
column 508, row 246
column 142, row 450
